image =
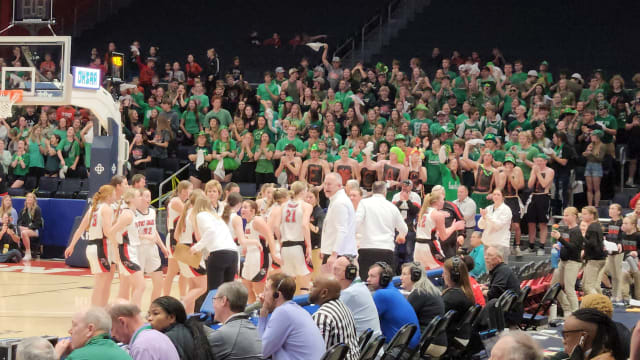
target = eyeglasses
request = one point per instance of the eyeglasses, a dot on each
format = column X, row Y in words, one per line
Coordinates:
column 567, row 332
column 217, row 298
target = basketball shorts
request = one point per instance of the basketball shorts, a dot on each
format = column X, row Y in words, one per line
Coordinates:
column 294, row 262
column 148, row 257
column 538, row 209
column 190, row 272
column 97, row 255
column 256, row 264
column 128, row 259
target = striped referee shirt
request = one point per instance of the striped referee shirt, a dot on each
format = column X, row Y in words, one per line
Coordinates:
column 337, row 326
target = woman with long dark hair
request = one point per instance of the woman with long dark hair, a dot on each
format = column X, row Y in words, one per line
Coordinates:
column 457, row 295
column 167, row 315
column 591, row 334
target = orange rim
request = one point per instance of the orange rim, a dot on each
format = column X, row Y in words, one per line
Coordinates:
column 17, row 94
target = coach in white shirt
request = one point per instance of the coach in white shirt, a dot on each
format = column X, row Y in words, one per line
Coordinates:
column 496, row 223
column 339, row 227
column 468, row 209
column 377, row 219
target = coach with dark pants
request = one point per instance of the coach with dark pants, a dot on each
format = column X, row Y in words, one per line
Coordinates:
column 377, row 220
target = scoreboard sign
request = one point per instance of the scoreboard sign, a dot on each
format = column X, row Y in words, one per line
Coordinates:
column 32, row 10
column 86, row 78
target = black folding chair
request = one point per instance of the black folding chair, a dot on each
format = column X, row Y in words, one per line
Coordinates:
column 399, row 342
column 372, row 349
column 529, row 321
column 336, row 352
column 427, row 337
column 364, row 339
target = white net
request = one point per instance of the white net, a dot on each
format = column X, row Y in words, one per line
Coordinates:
column 6, row 102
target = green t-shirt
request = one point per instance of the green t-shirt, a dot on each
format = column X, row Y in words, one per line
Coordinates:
column 263, row 165
column 201, row 100
column 191, row 122
column 35, row 156
column 223, row 116
column 531, row 152
column 18, row 170
column 526, row 125
column 146, row 113
column 518, row 78
column 257, row 134
column 282, row 143
column 99, row 347
column 584, row 96
column 71, row 149
column 432, row 163
column 415, row 125
column 220, row 146
column 449, row 183
column 264, row 94
column 609, row 122
column 345, row 99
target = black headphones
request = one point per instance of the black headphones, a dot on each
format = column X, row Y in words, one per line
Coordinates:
column 416, row 271
column 455, row 271
column 351, row 271
column 386, row 274
column 276, row 294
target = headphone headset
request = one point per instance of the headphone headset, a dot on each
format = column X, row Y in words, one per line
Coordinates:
column 351, row 271
column 386, row 274
column 455, row 270
column 416, row 272
column 276, row 293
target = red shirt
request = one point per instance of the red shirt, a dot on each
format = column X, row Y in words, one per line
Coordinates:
column 192, row 70
column 477, row 291
column 66, row 112
column 146, row 73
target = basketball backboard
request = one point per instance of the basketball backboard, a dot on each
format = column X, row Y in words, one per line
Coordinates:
column 37, row 65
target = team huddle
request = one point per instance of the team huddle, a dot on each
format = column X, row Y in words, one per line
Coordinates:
column 270, row 235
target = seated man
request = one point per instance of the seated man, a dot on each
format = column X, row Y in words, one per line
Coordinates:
column 290, row 333
column 501, row 279
column 516, row 345
column 35, row 347
column 394, row 310
column 144, row 342
column 333, row 318
column 90, row 338
column 356, row 296
column 237, row 338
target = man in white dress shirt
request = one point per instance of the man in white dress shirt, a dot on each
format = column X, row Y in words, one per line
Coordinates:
column 468, row 209
column 377, row 220
column 339, row 227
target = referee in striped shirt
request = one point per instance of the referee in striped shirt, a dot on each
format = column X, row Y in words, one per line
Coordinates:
column 333, row 318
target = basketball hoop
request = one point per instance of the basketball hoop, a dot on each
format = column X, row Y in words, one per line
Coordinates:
column 7, row 99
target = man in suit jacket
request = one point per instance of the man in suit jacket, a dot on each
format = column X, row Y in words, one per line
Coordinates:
column 237, row 338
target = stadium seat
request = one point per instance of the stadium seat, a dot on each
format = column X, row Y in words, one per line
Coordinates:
column 48, row 187
column 372, row 349
column 504, row 304
column 427, row 337
column 248, row 189
column 68, row 188
column 182, row 154
column 468, row 319
column 84, row 190
column 336, row 352
column 399, row 342
column 364, row 338
column 17, row 191
column 170, row 166
column 154, row 177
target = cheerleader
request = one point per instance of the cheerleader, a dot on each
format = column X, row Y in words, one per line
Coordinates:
column 295, row 236
column 148, row 257
column 98, row 224
column 213, row 191
column 174, row 209
column 128, row 244
column 214, row 236
column 196, row 277
column 256, row 261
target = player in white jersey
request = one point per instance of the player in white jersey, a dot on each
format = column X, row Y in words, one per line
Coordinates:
column 174, row 209
column 280, row 196
column 234, row 222
column 197, row 280
column 148, row 255
column 265, row 197
column 98, row 223
column 259, row 243
column 295, row 236
column 126, row 234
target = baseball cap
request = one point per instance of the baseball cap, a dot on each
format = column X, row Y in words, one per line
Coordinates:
column 406, row 182
column 279, row 69
column 532, row 73
column 319, row 80
column 288, row 99
column 576, row 76
column 509, row 158
column 293, row 70
column 441, row 113
column 421, row 107
column 335, row 59
column 599, row 133
column 450, row 127
column 544, row 62
column 541, row 155
column 400, row 137
column 314, row 147
column 490, row 137
column 318, row 68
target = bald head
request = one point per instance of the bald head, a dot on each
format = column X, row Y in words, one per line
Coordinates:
column 325, row 288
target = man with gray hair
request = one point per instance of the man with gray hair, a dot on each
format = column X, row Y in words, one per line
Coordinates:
column 516, row 345
column 339, row 228
column 377, row 221
column 90, row 338
column 35, row 348
column 237, row 338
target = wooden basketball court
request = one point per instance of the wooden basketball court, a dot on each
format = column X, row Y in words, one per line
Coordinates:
column 39, row 298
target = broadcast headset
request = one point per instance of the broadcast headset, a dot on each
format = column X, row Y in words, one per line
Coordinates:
column 416, row 271
column 455, row 269
column 276, row 294
column 386, row 274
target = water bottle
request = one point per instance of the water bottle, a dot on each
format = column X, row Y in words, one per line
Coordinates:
column 553, row 312
column 5, row 248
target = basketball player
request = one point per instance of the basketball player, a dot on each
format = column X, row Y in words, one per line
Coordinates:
column 295, row 236
column 98, row 224
column 197, row 279
column 314, row 169
column 256, row 262
column 174, row 209
column 149, row 240
column 128, row 243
